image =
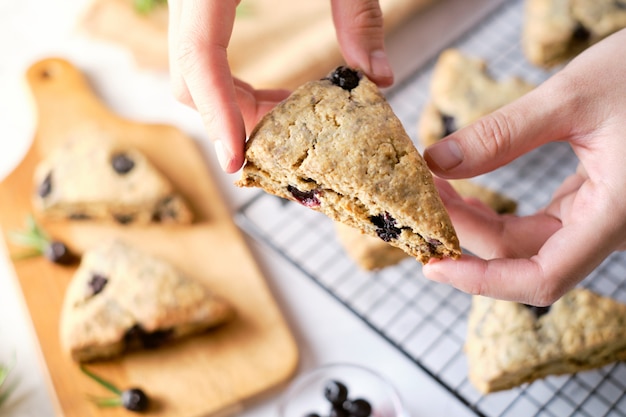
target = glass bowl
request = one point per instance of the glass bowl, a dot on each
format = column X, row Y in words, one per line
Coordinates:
column 305, row 396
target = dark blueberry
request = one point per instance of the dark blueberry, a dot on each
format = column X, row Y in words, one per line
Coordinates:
column 338, row 411
column 358, row 407
column 58, row 253
column 137, row 336
column 124, row 218
column 306, row 198
column 345, row 78
column 134, row 399
column 581, row 33
column 45, row 188
column 620, row 4
column 97, row 283
column 312, row 415
column 449, row 124
column 122, row 164
column 385, row 226
column 335, row 392
column 538, row 311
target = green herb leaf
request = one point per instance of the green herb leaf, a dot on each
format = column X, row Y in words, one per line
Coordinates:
column 106, row 384
column 6, row 390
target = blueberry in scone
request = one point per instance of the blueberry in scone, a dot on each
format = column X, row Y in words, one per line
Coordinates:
column 121, row 298
column 369, row 252
column 336, row 146
column 555, row 31
column 509, row 344
column 95, row 177
column 461, row 92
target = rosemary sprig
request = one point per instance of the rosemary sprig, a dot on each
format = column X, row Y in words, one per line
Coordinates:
column 6, row 388
column 132, row 399
column 38, row 243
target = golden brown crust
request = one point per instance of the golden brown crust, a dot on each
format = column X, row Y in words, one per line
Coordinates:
column 84, row 185
column 348, row 152
column 508, row 345
column 370, row 253
column 462, row 91
column 133, row 292
column 556, row 30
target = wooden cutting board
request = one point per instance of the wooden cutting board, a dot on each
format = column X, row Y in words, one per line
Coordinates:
column 275, row 43
column 204, row 375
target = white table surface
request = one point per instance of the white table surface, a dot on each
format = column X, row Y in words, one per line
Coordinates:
column 34, row 29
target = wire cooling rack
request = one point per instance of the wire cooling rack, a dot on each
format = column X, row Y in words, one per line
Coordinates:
column 427, row 321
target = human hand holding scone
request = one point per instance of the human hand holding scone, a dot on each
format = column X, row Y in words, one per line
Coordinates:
column 199, row 33
column 536, row 259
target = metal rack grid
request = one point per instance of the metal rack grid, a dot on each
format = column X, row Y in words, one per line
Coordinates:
column 426, row 321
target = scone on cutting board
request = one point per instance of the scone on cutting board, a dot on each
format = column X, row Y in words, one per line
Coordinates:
column 555, row 31
column 99, row 178
column 509, row 344
column 122, row 299
column 336, row 146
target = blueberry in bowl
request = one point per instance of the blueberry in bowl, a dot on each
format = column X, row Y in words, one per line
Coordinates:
column 340, row 390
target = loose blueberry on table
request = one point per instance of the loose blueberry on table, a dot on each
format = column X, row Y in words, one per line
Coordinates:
column 341, row 405
column 40, row 244
column 132, row 399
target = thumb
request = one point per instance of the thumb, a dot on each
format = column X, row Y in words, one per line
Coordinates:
column 359, row 27
column 500, row 137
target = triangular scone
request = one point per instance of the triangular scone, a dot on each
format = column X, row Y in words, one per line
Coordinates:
column 121, row 299
column 336, row 146
column 509, row 344
column 461, row 92
column 96, row 177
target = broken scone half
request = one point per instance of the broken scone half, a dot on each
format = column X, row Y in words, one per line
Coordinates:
column 509, row 344
column 96, row 177
column 336, row 146
column 121, row 299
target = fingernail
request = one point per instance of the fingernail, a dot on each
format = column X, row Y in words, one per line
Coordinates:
column 444, row 155
column 223, row 155
column 380, row 65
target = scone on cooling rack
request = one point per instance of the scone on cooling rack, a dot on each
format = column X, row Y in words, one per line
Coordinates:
column 368, row 252
column 509, row 344
column 556, row 30
column 336, row 146
column 461, row 92
column 122, row 299
column 96, row 177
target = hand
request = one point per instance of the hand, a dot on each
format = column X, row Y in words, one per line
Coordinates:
column 199, row 33
column 536, row 259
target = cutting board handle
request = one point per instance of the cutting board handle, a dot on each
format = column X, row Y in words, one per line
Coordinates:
column 62, row 95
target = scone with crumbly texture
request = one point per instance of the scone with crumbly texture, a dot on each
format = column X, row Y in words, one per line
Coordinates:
column 556, row 30
column 96, row 177
column 121, row 299
column 509, row 344
column 369, row 252
column 461, row 92
column 336, row 146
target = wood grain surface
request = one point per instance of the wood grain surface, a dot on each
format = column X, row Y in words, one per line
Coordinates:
column 275, row 43
column 205, row 375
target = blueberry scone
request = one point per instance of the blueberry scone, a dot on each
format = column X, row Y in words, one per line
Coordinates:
column 122, row 299
column 336, row 146
column 557, row 30
column 510, row 344
column 461, row 92
column 369, row 252
column 96, row 177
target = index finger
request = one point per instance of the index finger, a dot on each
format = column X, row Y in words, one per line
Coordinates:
column 201, row 55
